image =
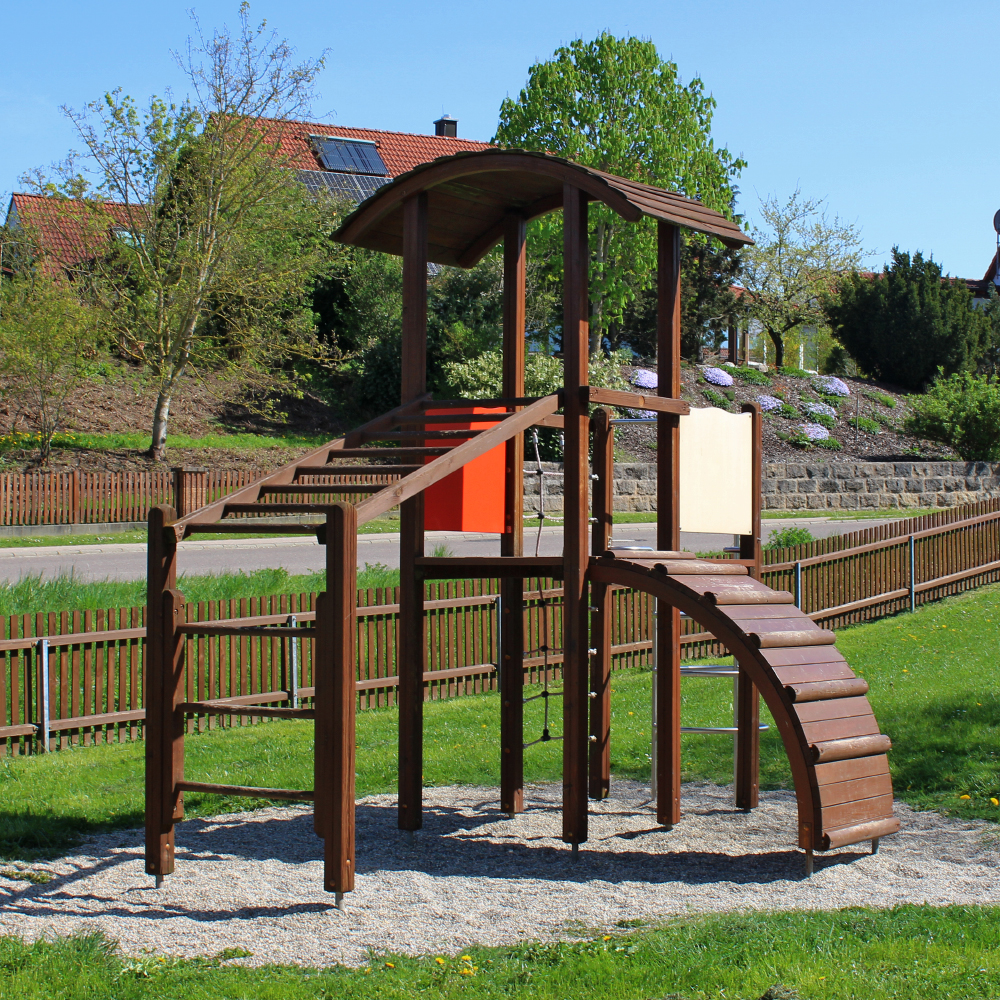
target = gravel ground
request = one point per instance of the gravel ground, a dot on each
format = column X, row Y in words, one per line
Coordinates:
column 473, row 877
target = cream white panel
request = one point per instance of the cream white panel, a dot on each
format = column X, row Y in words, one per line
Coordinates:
column 716, row 471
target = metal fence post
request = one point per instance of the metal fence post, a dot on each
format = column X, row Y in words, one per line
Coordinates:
column 913, row 582
column 43, row 687
column 798, row 585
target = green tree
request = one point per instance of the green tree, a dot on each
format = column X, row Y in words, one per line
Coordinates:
column 798, row 257
column 962, row 411
column 48, row 339
column 214, row 245
column 908, row 323
column 614, row 104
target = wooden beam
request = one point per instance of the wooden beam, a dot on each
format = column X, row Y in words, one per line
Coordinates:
column 161, row 578
column 410, row 650
column 600, row 612
column 510, row 620
column 747, row 768
column 668, row 631
column 576, row 468
column 635, row 401
column 336, row 699
column 417, row 482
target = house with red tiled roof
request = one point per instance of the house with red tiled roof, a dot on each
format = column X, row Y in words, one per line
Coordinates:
column 65, row 230
column 350, row 163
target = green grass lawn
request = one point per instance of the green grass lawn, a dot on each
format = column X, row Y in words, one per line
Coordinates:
column 139, row 441
column 935, row 688
column 910, row 952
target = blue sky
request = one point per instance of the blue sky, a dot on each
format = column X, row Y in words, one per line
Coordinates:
column 885, row 109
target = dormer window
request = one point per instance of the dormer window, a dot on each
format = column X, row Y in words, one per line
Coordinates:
column 349, row 156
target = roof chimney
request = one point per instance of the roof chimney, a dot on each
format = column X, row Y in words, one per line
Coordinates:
column 447, row 126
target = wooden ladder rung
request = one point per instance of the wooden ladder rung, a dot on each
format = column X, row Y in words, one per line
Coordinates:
column 249, row 527
column 355, row 470
column 261, row 711
column 273, row 631
column 276, row 508
column 410, row 451
column 245, row 791
column 292, row 488
column 453, row 418
column 416, row 432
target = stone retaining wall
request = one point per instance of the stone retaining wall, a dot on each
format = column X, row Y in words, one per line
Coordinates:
column 807, row 486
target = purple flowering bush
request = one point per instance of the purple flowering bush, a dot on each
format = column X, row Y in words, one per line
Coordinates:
column 818, row 409
column 768, row 403
column 643, row 378
column 716, row 376
column 815, row 432
column 831, row 385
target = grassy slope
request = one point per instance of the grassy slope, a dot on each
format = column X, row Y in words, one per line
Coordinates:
column 909, row 952
column 935, row 688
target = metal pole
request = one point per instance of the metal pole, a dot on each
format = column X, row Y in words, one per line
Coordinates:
column 913, row 573
column 652, row 752
column 293, row 657
column 798, row 585
column 43, row 672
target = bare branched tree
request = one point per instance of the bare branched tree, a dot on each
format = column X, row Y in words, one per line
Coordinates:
column 203, row 244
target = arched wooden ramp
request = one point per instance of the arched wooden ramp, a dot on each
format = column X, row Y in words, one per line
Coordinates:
column 837, row 755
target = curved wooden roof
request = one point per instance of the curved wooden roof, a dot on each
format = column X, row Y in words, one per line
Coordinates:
column 469, row 193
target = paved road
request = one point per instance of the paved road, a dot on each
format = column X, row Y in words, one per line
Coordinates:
column 304, row 555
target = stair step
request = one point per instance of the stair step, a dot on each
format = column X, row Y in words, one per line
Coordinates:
column 275, row 508
column 400, row 452
column 355, row 470
column 324, row 488
column 247, row 528
column 416, row 433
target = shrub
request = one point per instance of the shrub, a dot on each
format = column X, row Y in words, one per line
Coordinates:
column 793, row 372
column 823, row 419
column 643, row 378
column 814, row 432
column 788, row 412
column 716, row 376
column 830, row 443
column 750, row 376
column 811, row 409
column 866, row 424
column 906, row 323
column 830, row 385
column 962, row 411
column 789, row 536
column 877, row 397
column 768, row 404
column 715, row 399
column 730, row 394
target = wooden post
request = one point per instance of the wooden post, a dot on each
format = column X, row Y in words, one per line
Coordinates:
column 600, row 615
column 747, row 769
column 334, row 677
column 411, row 651
column 576, row 673
column 511, row 651
column 162, row 689
column 668, row 537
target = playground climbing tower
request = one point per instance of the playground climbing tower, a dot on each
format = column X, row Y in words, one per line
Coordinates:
column 452, row 212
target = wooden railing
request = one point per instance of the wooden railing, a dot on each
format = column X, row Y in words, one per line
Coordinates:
column 91, row 691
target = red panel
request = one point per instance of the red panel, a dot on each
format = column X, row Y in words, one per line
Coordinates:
column 472, row 498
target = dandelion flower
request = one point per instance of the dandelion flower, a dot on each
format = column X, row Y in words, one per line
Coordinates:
column 995, row 802
column 965, row 796
column 389, row 965
column 607, row 937
column 466, row 958
column 439, row 960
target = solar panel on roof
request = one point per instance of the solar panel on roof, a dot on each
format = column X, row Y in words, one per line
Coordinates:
column 355, row 187
column 350, row 156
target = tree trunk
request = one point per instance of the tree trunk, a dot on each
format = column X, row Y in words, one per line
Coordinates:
column 779, row 348
column 158, row 445
column 597, row 312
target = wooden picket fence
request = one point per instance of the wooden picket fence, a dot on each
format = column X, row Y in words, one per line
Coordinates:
column 91, row 688
column 99, row 497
